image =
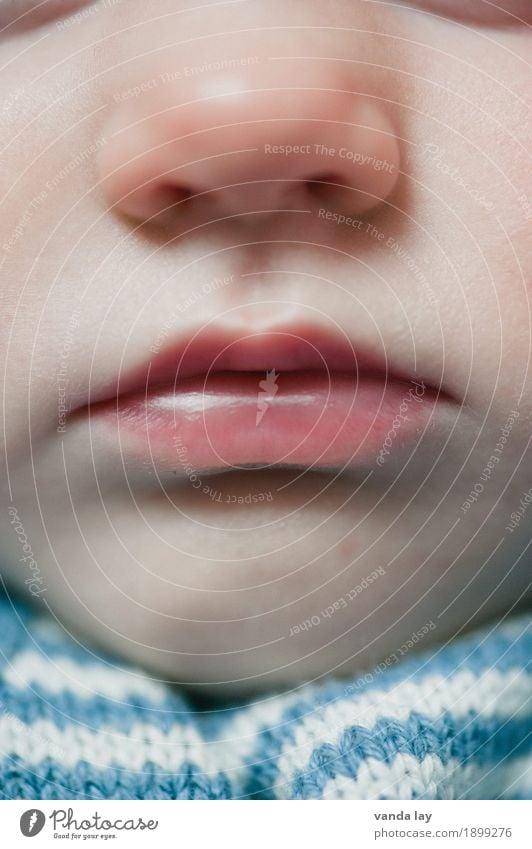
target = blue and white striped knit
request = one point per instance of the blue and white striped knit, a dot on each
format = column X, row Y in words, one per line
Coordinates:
column 452, row 723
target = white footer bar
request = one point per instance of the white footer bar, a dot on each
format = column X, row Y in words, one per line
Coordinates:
column 267, row 825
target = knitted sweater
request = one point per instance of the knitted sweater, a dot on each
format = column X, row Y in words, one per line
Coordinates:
column 454, row 722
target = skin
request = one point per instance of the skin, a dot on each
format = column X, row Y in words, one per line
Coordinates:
column 213, row 593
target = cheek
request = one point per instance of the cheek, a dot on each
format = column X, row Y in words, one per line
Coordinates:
column 511, row 262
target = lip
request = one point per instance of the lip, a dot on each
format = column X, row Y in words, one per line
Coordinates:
column 297, row 396
column 212, row 350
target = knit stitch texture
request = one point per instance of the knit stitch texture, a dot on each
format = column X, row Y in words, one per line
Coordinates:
column 454, row 722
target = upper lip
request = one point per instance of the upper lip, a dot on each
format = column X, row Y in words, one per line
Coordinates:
column 285, row 348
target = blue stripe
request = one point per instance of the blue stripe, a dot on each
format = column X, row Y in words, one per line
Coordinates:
column 50, row 780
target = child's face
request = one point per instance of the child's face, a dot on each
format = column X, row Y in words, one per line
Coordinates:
column 290, row 185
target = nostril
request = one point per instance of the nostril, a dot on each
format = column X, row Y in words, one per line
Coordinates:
column 180, row 194
column 320, row 185
column 169, row 197
column 320, row 179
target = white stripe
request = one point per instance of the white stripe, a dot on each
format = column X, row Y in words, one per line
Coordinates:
column 106, row 746
column 61, row 674
column 407, row 778
column 404, row 778
column 492, row 693
column 57, row 674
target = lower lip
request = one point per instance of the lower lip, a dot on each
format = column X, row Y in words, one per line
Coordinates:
column 229, row 421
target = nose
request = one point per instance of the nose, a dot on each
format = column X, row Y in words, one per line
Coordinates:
column 257, row 144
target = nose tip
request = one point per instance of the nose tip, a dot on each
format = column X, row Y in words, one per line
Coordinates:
column 249, row 148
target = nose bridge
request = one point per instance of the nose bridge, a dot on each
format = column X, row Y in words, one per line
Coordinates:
column 265, row 100
column 261, row 124
column 266, row 106
column 255, row 121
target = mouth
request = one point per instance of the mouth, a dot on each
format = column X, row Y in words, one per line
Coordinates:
column 297, row 397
